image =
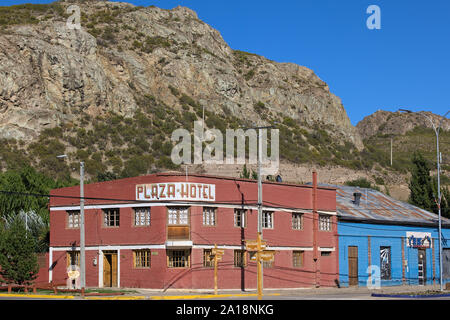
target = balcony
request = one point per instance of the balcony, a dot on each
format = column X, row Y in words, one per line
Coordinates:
column 177, row 233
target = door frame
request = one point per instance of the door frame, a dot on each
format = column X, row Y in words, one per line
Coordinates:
column 101, row 266
column 424, row 270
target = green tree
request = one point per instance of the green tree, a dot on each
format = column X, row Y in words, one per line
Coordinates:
column 18, row 260
column 420, row 185
column 445, row 199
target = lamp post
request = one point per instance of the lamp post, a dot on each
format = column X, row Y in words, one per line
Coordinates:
column 436, row 130
column 260, row 271
column 82, row 232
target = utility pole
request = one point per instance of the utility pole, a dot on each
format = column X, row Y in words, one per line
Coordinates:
column 82, row 234
column 259, row 238
column 259, row 248
column 438, row 200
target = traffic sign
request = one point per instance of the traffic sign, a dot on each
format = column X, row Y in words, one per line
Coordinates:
column 252, row 245
column 219, row 252
column 267, row 255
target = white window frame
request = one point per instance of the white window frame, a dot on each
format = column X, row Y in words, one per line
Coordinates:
column 73, row 219
column 297, row 221
column 267, row 219
column 324, row 222
column 142, row 217
column 178, row 216
column 242, row 213
column 209, row 216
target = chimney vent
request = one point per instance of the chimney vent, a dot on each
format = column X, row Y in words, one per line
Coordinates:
column 357, row 199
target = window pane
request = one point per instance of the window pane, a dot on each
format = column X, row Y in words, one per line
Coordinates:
column 239, row 218
column 297, row 259
column 142, row 216
column 178, row 258
column 207, row 261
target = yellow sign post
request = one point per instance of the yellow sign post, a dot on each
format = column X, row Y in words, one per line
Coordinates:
column 216, row 254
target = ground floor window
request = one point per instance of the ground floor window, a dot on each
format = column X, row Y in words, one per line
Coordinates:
column 268, row 264
column 297, row 259
column 73, row 258
column 239, row 258
column 208, row 261
column 141, row 258
column 178, row 258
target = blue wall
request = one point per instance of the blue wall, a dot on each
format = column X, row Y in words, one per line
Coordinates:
column 357, row 234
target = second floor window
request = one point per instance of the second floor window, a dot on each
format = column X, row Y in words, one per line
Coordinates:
column 142, row 217
column 267, row 220
column 111, row 217
column 324, row 223
column 178, row 216
column 240, row 219
column 209, row 216
column 297, row 221
column 73, row 219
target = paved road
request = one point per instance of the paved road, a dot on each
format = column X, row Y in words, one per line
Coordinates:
column 300, row 294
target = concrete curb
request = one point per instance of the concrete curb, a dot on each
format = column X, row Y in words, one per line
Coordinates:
column 35, row 296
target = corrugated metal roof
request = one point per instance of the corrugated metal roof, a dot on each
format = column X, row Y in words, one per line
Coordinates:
column 379, row 207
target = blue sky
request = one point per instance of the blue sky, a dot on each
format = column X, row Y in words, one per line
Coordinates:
column 404, row 65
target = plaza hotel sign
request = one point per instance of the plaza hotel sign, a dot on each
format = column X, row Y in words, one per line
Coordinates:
column 176, row 191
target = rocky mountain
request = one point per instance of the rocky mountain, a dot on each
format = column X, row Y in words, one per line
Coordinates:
column 112, row 92
column 397, row 123
column 49, row 74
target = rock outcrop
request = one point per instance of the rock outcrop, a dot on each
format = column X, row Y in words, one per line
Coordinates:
column 50, row 74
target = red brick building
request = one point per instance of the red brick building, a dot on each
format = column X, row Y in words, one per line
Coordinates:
column 157, row 231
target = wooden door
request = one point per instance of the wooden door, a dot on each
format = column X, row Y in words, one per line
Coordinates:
column 352, row 266
column 110, row 269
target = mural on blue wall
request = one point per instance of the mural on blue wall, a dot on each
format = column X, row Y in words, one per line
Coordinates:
column 385, row 263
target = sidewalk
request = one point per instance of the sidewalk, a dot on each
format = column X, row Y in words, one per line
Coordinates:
column 193, row 294
column 286, row 294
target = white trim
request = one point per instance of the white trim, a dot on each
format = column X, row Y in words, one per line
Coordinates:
column 331, row 213
column 190, row 204
column 178, row 244
column 100, row 268
column 50, row 269
column 112, row 248
column 324, row 249
column 163, row 247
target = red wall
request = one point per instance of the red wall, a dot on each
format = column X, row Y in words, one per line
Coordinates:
column 224, row 233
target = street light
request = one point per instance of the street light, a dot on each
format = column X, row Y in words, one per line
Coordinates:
column 436, row 130
column 82, row 233
column 260, row 204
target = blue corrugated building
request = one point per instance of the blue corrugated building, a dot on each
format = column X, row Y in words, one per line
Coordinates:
column 400, row 242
